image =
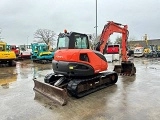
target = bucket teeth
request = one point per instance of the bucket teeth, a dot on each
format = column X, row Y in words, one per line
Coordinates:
column 123, row 74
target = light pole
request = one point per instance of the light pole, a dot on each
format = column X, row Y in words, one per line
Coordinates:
column 27, row 39
column 0, row 33
column 27, row 42
column 96, row 19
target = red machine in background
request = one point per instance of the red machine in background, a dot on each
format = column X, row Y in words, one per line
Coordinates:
column 25, row 51
column 112, row 52
column 22, row 51
column 78, row 70
column 15, row 49
column 113, row 49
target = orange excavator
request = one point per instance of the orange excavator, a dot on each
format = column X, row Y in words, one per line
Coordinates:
column 78, row 70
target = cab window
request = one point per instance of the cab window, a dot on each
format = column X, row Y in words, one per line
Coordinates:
column 81, row 42
column 63, row 42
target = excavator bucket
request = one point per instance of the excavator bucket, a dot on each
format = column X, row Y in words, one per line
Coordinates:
column 53, row 93
column 126, row 68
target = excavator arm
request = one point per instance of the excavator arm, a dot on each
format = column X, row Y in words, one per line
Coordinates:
column 126, row 67
column 110, row 28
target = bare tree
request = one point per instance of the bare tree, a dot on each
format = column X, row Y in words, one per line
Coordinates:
column 96, row 40
column 92, row 40
column 0, row 34
column 118, row 40
column 45, row 35
column 130, row 44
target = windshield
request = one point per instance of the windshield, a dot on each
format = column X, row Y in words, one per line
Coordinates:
column 73, row 41
column 138, row 50
column 44, row 48
column 2, row 47
column 28, row 46
column 35, row 48
column 23, row 49
column 8, row 47
column 13, row 47
column 63, row 42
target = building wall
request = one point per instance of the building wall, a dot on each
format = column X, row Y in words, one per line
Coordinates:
column 143, row 43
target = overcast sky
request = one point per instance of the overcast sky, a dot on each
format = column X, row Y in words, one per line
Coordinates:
column 19, row 19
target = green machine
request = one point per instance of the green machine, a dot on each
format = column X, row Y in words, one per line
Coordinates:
column 41, row 53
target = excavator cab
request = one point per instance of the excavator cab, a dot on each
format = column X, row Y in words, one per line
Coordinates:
column 7, row 57
column 72, row 40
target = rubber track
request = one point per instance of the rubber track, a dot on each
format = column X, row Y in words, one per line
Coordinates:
column 73, row 84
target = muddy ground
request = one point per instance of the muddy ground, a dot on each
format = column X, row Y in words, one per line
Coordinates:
column 131, row 98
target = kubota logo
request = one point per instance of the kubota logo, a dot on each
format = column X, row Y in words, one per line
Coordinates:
column 59, row 56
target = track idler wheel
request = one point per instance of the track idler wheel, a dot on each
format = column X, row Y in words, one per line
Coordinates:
column 113, row 78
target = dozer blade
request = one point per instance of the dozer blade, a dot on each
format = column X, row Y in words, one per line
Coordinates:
column 53, row 93
column 126, row 68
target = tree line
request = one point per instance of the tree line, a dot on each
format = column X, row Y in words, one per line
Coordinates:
column 49, row 37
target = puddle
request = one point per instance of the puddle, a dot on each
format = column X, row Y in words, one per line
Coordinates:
column 5, row 82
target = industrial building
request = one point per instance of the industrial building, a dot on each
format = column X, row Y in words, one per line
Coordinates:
column 143, row 43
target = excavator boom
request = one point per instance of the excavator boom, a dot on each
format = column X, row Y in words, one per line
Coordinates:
column 126, row 67
column 110, row 28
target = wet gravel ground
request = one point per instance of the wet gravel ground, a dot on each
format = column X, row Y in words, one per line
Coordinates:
column 131, row 98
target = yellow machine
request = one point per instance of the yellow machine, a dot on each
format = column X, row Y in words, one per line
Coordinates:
column 158, row 47
column 6, row 56
column 147, row 49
